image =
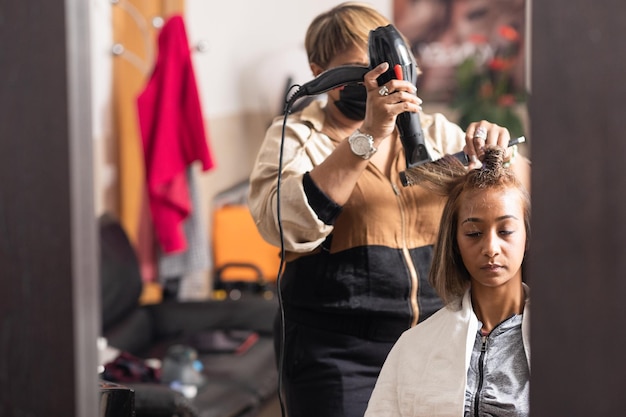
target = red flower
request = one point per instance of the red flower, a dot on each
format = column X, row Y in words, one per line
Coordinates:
column 500, row 64
column 508, row 33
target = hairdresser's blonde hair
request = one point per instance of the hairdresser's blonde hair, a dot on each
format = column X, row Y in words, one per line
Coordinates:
column 448, row 274
column 342, row 27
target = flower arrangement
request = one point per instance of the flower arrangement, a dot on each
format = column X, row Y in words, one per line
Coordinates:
column 485, row 82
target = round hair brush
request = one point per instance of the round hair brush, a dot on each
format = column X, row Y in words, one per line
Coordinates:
column 412, row 174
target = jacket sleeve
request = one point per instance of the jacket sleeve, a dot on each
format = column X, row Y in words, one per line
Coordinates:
column 303, row 149
column 446, row 137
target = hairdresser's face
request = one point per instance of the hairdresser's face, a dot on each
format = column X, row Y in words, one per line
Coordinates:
column 492, row 237
column 352, row 56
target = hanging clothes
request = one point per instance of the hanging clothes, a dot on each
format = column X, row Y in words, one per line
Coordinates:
column 173, row 135
column 196, row 256
column 137, row 35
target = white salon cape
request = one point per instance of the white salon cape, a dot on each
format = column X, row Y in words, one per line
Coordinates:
column 425, row 373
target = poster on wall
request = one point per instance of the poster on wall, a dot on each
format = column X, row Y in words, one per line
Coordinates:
column 469, row 47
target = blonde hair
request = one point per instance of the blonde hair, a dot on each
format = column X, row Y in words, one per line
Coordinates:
column 339, row 29
column 448, row 274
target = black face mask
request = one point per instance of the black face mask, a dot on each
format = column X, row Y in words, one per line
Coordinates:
column 352, row 100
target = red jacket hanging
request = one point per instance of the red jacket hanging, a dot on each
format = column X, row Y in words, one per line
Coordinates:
column 173, row 134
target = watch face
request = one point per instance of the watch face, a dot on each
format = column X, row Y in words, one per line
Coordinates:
column 361, row 145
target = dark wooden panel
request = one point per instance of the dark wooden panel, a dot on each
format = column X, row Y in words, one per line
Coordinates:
column 578, row 251
column 45, row 241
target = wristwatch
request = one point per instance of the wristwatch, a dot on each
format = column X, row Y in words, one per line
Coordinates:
column 362, row 144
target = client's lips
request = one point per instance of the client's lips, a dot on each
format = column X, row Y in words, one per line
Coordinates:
column 491, row 267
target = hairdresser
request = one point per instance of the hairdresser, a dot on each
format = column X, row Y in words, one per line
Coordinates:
column 358, row 244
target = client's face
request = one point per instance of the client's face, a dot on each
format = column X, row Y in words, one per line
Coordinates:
column 492, row 237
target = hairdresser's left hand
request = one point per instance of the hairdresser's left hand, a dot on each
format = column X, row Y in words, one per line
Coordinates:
column 481, row 134
column 382, row 109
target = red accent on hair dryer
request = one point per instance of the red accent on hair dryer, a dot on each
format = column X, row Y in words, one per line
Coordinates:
column 397, row 69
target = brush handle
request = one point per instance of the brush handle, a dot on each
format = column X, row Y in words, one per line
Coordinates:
column 462, row 156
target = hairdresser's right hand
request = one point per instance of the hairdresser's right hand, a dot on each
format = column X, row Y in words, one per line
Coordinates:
column 381, row 110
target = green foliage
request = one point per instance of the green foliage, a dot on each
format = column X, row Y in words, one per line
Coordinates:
column 487, row 91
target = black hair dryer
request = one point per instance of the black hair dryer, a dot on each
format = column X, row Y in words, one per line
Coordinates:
column 385, row 44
